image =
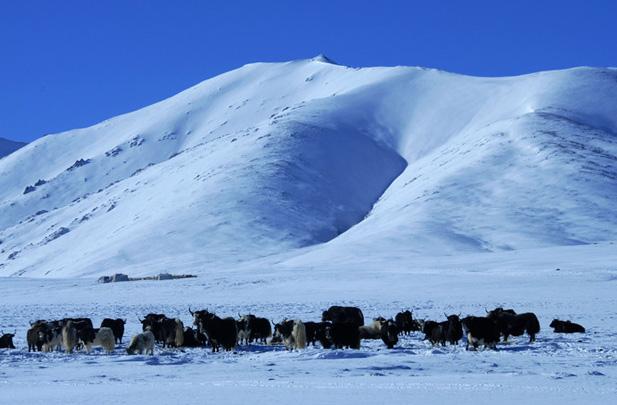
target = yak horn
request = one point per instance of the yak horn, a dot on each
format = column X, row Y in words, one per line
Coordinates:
column 191, row 312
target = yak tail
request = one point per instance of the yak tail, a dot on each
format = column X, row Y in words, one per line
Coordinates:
column 299, row 333
column 533, row 325
column 179, row 341
column 69, row 337
column 108, row 345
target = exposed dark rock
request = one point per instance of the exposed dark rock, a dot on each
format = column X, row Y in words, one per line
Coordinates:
column 79, row 163
column 61, row 231
column 136, row 141
column 114, row 152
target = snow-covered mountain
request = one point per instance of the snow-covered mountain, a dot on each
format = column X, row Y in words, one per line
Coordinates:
column 311, row 162
column 7, row 146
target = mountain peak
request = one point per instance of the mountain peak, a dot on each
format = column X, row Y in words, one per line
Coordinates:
column 324, row 59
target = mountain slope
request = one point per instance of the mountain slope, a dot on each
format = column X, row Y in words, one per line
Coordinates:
column 314, row 161
column 7, row 146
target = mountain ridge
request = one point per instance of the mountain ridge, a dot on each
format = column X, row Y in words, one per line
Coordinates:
column 270, row 158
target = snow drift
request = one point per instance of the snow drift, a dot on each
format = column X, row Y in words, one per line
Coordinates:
column 308, row 161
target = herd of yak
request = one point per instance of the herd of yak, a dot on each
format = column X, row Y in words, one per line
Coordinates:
column 340, row 327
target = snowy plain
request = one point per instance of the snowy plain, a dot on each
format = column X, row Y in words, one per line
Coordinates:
column 290, row 187
column 567, row 282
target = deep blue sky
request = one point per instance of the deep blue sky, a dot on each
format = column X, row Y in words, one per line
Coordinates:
column 67, row 64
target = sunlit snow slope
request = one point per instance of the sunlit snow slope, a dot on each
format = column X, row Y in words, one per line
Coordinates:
column 273, row 157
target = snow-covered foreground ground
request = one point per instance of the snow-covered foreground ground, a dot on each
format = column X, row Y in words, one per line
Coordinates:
column 575, row 283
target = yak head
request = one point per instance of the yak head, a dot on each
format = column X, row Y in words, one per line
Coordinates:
column 456, row 319
column 283, row 329
column 7, row 338
column 242, row 324
column 390, row 329
column 499, row 311
column 133, row 346
column 380, row 320
column 201, row 318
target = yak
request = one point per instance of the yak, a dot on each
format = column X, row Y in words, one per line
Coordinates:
column 116, row 325
column 69, row 337
column 142, row 343
column 292, row 333
column 566, row 327
column 373, row 330
column 252, row 328
column 6, row 341
column 434, row 332
column 192, row 338
column 404, row 322
column 510, row 324
column 389, row 333
column 345, row 335
column 318, row 332
column 480, row 331
column 453, row 329
column 338, row 314
column 103, row 337
column 220, row 331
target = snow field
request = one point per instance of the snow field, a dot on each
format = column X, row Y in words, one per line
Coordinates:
column 556, row 369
